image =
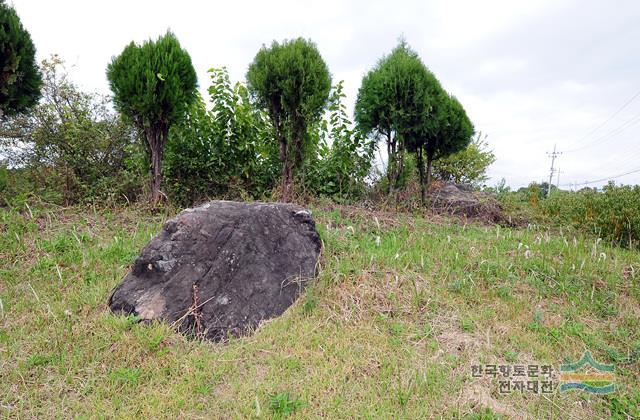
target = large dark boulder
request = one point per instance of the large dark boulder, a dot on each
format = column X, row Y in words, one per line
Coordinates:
column 222, row 268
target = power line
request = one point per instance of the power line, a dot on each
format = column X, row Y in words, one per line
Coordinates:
column 603, row 179
column 558, row 172
column 621, row 164
column 605, row 122
column 634, row 120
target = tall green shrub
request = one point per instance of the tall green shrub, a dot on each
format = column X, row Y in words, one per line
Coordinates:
column 71, row 146
column 448, row 131
column 402, row 101
column 342, row 163
column 390, row 102
column 612, row 214
column 20, row 79
column 467, row 166
column 153, row 85
column 291, row 82
column 223, row 152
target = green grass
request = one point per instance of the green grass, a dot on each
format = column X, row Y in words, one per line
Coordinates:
column 389, row 330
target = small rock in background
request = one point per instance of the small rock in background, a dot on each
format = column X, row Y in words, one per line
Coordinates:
column 462, row 200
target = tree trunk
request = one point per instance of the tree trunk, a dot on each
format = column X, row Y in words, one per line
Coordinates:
column 399, row 169
column 392, row 164
column 420, row 163
column 156, row 137
column 389, row 160
column 399, row 166
column 156, row 176
column 285, row 180
column 299, row 145
column 296, row 156
column 429, row 168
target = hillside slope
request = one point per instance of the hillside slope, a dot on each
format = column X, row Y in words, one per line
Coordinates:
column 403, row 307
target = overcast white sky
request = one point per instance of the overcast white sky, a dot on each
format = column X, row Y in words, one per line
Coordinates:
column 530, row 73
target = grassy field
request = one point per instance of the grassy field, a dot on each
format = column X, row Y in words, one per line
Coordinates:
column 403, row 307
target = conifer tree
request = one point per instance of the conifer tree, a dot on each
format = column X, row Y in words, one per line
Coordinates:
column 153, row 84
column 20, row 78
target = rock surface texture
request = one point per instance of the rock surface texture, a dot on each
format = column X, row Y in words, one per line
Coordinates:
column 222, row 268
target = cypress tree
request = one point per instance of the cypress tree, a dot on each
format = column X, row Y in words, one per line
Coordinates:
column 20, row 79
column 153, row 84
column 291, row 82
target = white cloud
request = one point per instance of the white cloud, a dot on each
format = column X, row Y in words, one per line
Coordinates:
column 501, row 66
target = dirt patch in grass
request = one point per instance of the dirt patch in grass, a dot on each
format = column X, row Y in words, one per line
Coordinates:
column 478, row 395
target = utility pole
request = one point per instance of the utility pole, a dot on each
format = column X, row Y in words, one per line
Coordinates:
column 553, row 155
column 558, row 178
